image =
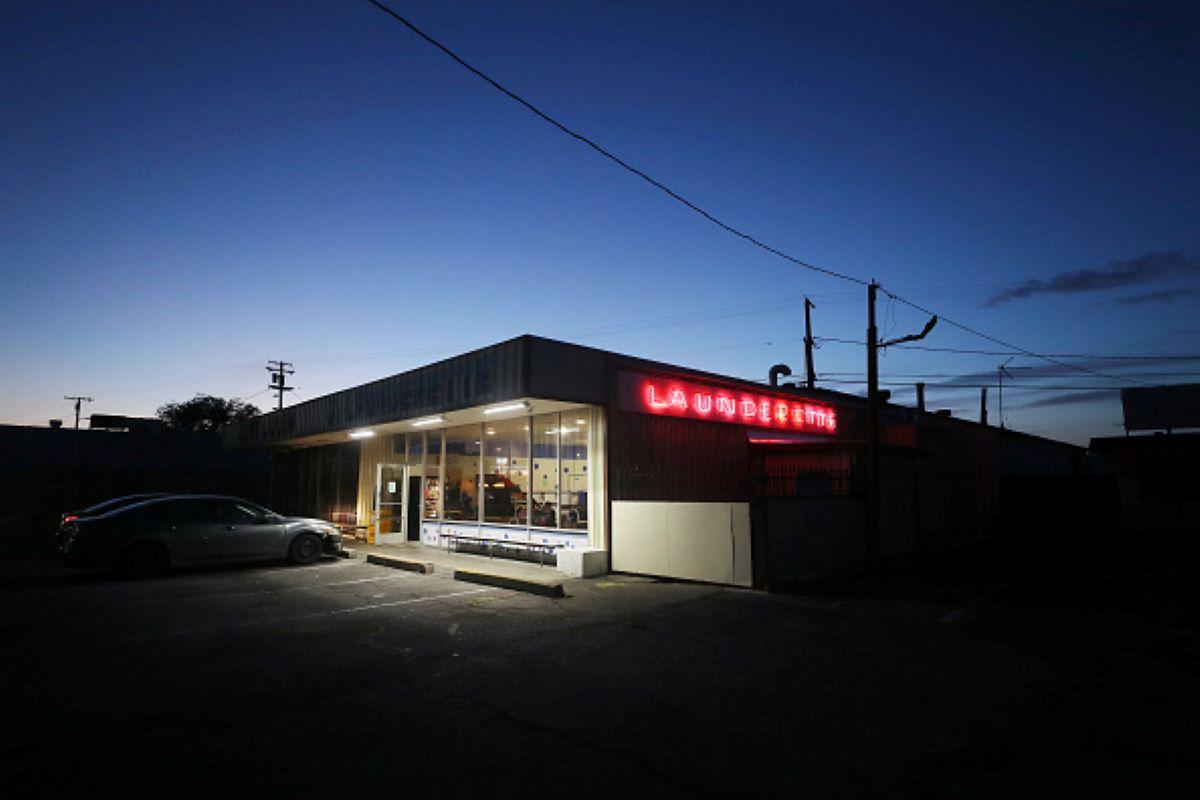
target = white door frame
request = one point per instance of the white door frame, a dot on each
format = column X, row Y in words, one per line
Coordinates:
column 394, row 537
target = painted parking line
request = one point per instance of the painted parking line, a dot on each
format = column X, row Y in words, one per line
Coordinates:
column 300, row 617
column 410, row 601
column 218, row 593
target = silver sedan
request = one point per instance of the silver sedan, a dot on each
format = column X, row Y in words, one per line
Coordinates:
column 146, row 538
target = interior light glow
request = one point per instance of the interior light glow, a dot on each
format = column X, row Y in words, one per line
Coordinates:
column 429, row 421
column 361, row 434
column 521, row 406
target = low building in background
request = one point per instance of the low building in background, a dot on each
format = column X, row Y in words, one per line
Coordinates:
column 1157, row 468
column 46, row 471
column 644, row 467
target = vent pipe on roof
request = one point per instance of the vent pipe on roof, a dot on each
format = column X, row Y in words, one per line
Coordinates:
column 776, row 371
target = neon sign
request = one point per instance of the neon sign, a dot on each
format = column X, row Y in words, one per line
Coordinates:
column 679, row 398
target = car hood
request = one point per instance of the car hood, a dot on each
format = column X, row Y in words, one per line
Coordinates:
column 313, row 521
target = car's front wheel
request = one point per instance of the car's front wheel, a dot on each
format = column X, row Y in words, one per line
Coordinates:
column 305, row 549
column 143, row 561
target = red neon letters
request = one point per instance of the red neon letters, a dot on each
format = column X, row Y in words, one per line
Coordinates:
column 685, row 399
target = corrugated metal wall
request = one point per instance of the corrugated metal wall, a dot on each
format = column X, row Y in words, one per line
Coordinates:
column 484, row 376
column 317, row 482
column 659, row 458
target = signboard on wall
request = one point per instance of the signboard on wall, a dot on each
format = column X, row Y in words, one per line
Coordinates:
column 692, row 399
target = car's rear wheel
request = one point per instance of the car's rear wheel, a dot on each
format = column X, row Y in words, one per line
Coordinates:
column 305, row 549
column 143, row 561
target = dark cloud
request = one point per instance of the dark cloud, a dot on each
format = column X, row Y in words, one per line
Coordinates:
column 1132, row 272
column 1130, row 368
column 1161, row 296
column 1070, row 399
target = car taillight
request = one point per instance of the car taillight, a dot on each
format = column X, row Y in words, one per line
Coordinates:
column 69, row 518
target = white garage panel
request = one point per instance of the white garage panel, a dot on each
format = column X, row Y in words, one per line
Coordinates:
column 697, row 541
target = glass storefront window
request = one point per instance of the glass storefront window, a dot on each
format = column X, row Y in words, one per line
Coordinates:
column 461, row 497
column 431, row 486
column 573, row 451
column 506, row 471
column 543, row 511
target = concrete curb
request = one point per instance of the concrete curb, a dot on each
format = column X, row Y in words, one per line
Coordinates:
column 344, row 553
column 543, row 588
column 412, row 565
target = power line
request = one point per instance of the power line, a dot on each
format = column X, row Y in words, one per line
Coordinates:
column 1047, row 374
column 968, row 351
column 1002, row 343
column 610, row 156
column 695, row 208
column 1014, row 388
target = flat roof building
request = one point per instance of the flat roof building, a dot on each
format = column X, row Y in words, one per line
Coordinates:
column 612, row 462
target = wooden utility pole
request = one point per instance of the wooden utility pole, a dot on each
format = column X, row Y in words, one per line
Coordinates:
column 78, row 400
column 983, row 405
column 873, row 400
column 872, row 515
column 279, row 371
column 808, row 344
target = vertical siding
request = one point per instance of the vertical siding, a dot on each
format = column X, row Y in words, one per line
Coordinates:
column 484, row 376
column 374, row 451
column 316, row 482
column 659, row 458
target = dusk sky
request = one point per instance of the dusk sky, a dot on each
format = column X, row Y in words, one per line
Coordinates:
column 192, row 189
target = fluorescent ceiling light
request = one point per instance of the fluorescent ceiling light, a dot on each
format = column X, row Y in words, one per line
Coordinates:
column 361, row 434
column 521, row 406
column 429, row 421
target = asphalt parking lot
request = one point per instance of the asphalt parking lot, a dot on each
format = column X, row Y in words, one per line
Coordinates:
column 347, row 677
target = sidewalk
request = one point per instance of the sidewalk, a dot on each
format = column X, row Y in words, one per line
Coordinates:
column 445, row 562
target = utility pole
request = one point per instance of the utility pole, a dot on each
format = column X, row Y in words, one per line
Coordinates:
column 983, row 405
column 279, row 371
column 920, row 397
column 78, row 399
column 873, row 399
column 1000, row 373
column 872, row 425
column 808, row 344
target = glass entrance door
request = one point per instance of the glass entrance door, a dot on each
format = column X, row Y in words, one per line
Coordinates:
column 389, row 503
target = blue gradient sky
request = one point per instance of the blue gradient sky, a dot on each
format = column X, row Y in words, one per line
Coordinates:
column 194, row 188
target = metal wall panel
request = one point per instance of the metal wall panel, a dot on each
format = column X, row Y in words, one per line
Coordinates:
column 484, row 376
column 562, row 371
column 661, row 458
column 317, row 482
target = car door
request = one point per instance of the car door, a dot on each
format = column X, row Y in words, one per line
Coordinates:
column 193, row 527
column 247, row 533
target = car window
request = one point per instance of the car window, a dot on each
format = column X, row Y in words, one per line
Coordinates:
column 235, row 513
column 177, row 512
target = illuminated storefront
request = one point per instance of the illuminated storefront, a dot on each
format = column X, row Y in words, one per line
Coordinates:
column 514, row 477
column 534, row 444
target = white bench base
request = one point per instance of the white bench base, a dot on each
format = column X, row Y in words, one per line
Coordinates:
column 582, row 562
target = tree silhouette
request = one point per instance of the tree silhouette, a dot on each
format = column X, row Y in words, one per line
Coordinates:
column 205, row 413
